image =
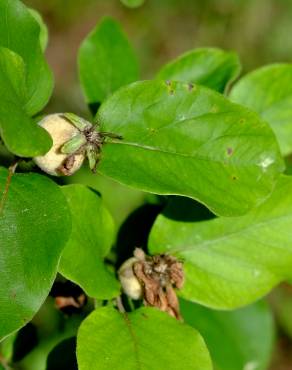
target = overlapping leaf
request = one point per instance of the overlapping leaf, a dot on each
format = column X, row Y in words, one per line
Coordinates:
column 237, row 340
column 231, row 262
column 106, row 61
column 211, row 67
column 18, row 131
column 25, row 81
column 179, row 139
column 34, row 227
column 268, row 91
column 145, row 339
column 91, row 239
column 19, row 32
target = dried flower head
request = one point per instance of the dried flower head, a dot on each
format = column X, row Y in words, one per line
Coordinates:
column 158, row 277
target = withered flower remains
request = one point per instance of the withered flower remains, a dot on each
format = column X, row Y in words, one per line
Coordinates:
column 158, row 277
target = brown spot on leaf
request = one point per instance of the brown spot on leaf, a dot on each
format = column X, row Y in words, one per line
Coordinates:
column 169, row 85
column 229, row 151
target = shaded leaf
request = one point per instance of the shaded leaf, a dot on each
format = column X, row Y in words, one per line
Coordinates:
column 268, row 91
column 21, row 135
column 63, row 356
column 6, row 347
column 191, row 142
column 145, row 339
column 281, row 299
column 211, row 67
column 106, row 61
column 34, row 227
column 92, row 236
column 237, row 340
column 230, row 262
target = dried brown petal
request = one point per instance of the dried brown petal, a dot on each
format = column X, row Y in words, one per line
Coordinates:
column 158, row 276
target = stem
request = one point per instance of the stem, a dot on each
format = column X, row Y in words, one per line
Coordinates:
column 11, row 171
column 120, row 305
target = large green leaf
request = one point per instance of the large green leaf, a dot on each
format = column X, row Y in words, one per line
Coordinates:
column 18, row 131
column 189, row 140
column 106, row 61
column 268, row 91
column 34, row 227
column 230, row 262
column 92, row 236
column 20, row 32
column 145, row 339
column 237, row 340
column 211, row 67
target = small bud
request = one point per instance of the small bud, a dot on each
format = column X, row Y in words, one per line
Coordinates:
column 56, row 162
column 130, row 284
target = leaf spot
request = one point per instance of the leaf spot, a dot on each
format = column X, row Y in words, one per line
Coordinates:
column 229, row 151
column 190, row 86
column 214, row 109
column 170, row 88
column 152, row 130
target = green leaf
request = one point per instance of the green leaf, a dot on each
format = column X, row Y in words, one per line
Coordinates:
column 44, row 34
column 92, row 236
column 145, row 339
column 12, row 77
column 34, row 227
column 18, row 131
column 230, row 262
column 20, row 32
column 211, row 67
column 106, row 61
column 132, row 3
column 237, row 340
column 7, row 347
column 268, row 91
column 191, row 142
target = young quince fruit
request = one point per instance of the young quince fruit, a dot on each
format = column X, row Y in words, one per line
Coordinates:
column 74, row 138
column 130, row 284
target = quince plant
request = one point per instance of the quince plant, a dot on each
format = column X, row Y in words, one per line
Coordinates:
column 193, row 217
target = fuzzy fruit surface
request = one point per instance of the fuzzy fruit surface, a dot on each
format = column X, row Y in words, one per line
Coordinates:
column 61, row 131
column 130, row 284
